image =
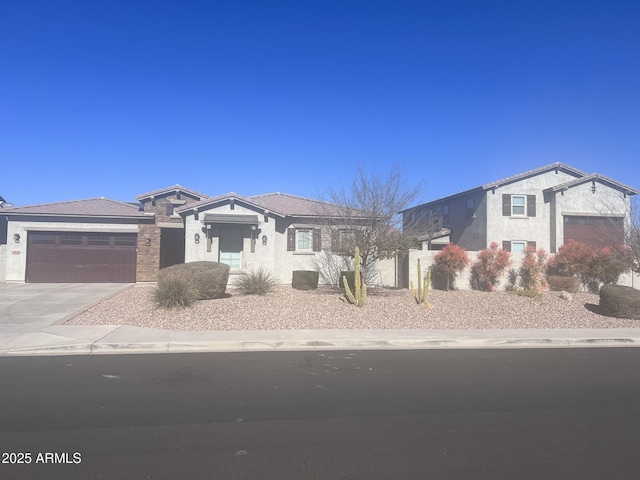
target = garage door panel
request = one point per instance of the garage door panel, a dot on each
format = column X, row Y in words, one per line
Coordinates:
column 597, row 232
column 81, row 258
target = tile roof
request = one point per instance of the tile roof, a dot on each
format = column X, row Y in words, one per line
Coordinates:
column 295, row 206
column 282, row 204
column 100, row 207
column 507, row 180
column 172, row 189
column 595, row 176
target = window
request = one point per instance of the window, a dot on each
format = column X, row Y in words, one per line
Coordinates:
column 169, row 209
column 70, row 239
column 43, row 239
column 126, row 240
column 98, row 240
column 518, row 247
column 470, row 208
column 303, row 240
column 518, row 205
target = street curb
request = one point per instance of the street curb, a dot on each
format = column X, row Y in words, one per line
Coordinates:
column 108, row 348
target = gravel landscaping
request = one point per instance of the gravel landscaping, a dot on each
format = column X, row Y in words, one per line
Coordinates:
column 324, row 308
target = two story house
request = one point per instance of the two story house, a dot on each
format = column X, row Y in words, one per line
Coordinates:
column 542, row 208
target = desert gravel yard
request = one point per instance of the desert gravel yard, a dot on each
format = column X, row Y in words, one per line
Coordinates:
column 324, row 308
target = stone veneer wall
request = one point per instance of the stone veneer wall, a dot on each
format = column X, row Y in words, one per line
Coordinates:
column 148, row 258
column 148, row 261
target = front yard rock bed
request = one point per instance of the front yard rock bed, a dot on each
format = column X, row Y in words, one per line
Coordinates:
column 325, row 308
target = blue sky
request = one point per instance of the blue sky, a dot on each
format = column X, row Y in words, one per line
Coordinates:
column 115, row 98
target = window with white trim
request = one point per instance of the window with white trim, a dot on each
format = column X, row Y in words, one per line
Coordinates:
column 518, row 247
column 303, row 240
column 518, row 205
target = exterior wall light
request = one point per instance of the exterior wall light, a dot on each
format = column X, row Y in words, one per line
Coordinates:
column 593, row 187
column 264, row 239
column 16, row 237
column 196, row 237
column 147, row 242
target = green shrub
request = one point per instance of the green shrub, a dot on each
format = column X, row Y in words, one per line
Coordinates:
column 174, row 291
column 209, row 279
column 305, row 279
column 255, row 282
column 621, row 302
column 560, row 283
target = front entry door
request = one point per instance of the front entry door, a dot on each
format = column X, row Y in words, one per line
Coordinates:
column 231, row 247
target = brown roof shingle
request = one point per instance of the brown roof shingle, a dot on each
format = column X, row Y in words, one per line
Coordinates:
column 100, row 207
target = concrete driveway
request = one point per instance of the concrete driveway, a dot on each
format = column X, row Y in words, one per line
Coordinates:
column 35, row 305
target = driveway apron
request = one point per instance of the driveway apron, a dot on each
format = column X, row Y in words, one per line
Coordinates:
column 35, row 305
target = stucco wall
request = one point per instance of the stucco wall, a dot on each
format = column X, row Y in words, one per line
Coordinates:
column 273, row 255
column 462, row 281
column 501, row 228
column 3, row 262
column 579, row 200
column 16, row 255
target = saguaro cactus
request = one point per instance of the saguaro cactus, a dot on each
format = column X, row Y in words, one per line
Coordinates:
column 420, row 295
column 359, row 296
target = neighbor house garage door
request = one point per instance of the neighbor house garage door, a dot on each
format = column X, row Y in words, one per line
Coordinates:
column 81, row 257
column 595, row 231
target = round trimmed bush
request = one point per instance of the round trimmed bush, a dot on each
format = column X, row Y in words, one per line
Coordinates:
column 305, row 279
column 621, row 302
column 209, row 279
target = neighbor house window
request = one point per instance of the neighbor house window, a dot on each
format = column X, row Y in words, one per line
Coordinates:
column 303, row 240
column 518, row 247
column 445, row 213
column 470, row 207
column 518, row 205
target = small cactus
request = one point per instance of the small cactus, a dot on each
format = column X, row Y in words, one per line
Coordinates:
column 420, row 295
column 359, row 296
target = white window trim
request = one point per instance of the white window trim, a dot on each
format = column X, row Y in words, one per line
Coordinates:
column 516, row 242
column 519, row 215
column 297, row 245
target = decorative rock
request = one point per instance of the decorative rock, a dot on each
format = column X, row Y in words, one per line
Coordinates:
column 565, row 295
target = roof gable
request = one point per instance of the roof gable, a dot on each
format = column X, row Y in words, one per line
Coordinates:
column 169, row 190
column 593, row 178
column 505, row 181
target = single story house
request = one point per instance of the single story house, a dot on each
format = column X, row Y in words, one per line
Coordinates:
column 543, row 208
column 103, row 240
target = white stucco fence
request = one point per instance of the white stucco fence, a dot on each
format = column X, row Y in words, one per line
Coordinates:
column 462, row 281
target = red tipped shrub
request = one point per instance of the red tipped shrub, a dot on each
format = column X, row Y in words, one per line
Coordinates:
column 490, row 264
column 451, row 260
column 533, row 269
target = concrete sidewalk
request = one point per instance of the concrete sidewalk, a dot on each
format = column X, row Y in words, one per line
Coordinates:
column 31, row 317
column 78, row 339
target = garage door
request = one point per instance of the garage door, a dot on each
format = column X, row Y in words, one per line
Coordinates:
column 81, row 257
column 595, row 231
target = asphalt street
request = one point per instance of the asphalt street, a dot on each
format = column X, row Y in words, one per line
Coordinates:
column 436, row 414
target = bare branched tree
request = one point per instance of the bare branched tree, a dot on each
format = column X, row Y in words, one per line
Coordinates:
column 368, row 216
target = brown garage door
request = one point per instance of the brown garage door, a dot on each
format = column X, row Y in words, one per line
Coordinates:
column 595, row 231
column 81, row 257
